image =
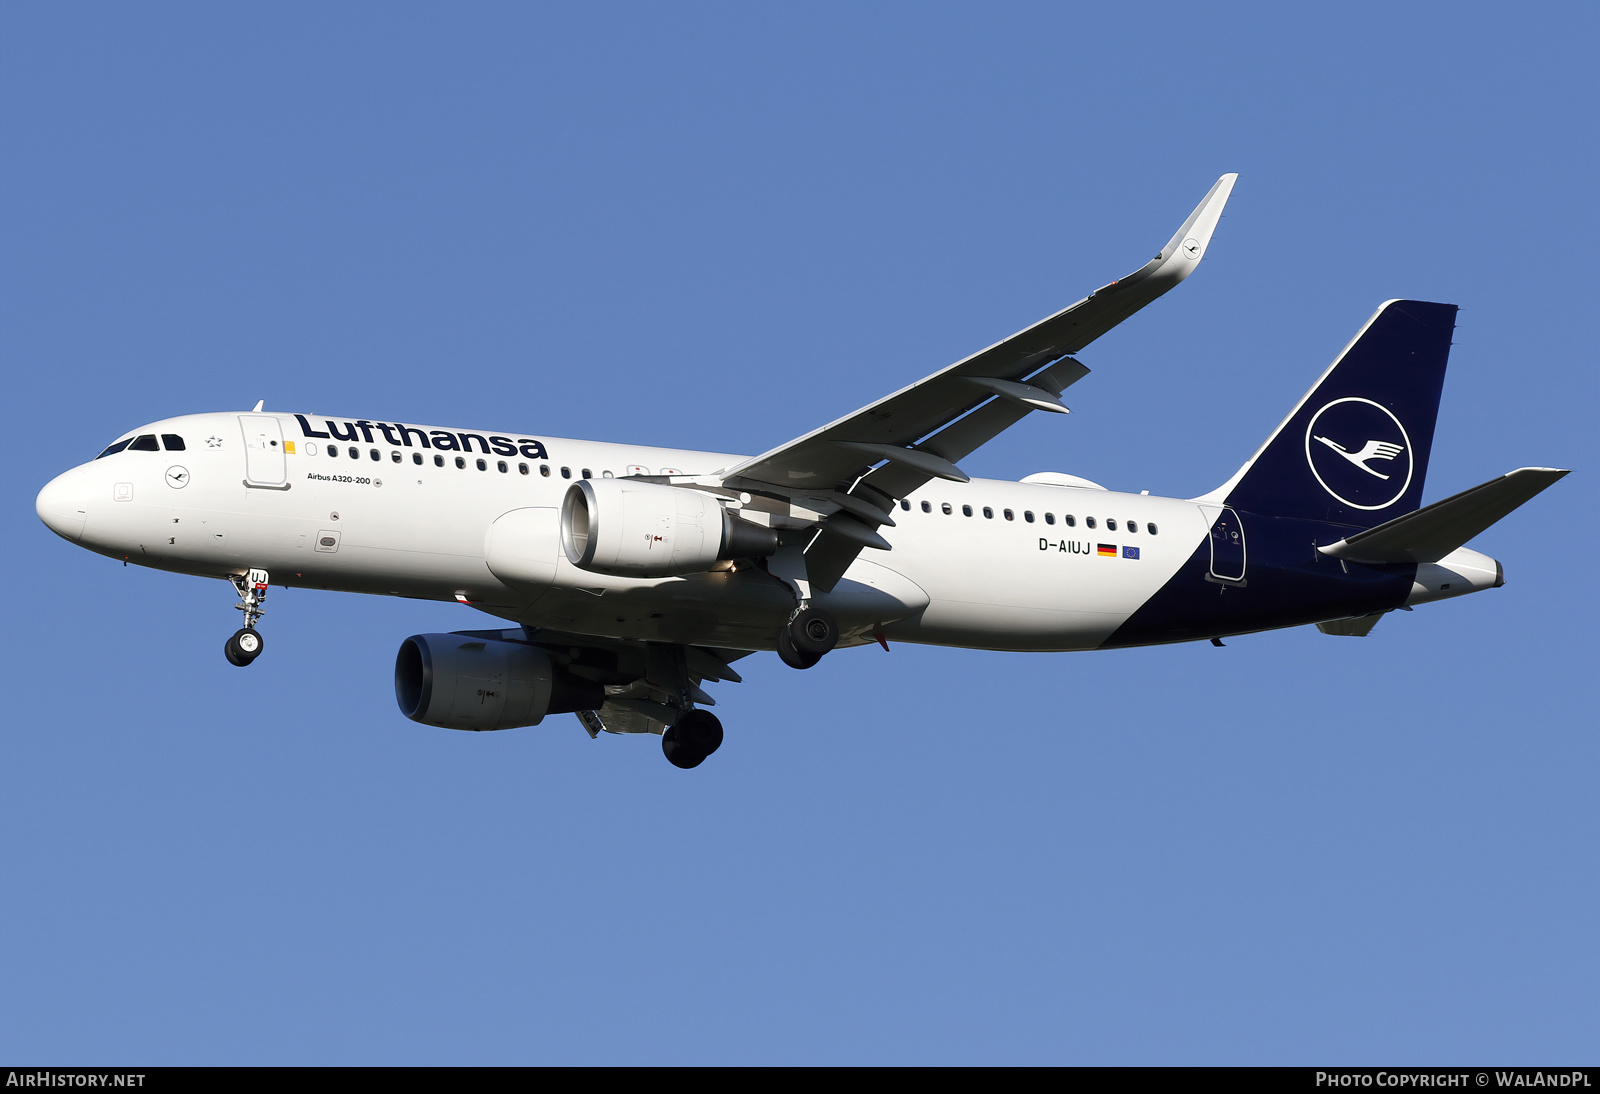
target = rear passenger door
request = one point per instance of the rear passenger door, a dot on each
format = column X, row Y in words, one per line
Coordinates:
column 1227, row 548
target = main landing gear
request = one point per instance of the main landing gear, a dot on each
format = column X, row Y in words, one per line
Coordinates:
column 693, row 737
column 246, row 644
column 810, row 633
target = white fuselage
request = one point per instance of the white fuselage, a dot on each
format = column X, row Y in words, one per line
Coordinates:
column 1033, row 567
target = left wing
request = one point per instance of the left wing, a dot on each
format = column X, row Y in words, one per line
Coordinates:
column 919, row 432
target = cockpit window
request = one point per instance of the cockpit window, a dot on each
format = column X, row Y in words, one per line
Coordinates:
column 114, row 449
column 172, row 442
column 146, row 443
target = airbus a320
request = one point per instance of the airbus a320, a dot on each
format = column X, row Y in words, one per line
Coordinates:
column 629, row 578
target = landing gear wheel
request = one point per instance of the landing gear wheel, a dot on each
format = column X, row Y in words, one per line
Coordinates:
column 693, row 737
column 244, row 647
column 812, row 631
column 793, row 657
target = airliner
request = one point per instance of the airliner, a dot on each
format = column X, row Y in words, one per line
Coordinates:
column 632, row 577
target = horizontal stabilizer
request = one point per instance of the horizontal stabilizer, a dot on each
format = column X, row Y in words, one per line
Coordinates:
column 1432, row 532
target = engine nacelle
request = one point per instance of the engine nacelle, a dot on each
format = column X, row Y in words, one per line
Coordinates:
column 645, row 529
column 457, row 681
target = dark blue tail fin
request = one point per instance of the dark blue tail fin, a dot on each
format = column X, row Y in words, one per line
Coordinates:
column 1355, row 451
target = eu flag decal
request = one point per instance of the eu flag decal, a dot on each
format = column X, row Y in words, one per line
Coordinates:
column 1130, row 552
column 1106, row 550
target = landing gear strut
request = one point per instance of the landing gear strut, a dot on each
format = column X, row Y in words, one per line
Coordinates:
column 246, row 644
column 810, row 633
column 693, row 737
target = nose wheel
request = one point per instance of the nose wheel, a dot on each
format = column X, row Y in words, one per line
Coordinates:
column 244, row 647
column 246, row 644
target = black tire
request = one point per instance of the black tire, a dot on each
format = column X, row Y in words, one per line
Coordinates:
column 244, row 647
column 678, row 753
column 813, row 632
column 700, row 730
column 793, row 657
column 249, row 643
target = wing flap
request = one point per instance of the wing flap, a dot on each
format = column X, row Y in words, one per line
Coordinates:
column 828, row 556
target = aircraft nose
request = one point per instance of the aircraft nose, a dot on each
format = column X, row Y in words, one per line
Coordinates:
column 63, row 504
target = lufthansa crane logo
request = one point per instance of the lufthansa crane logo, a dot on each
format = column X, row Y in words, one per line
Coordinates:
column 1359, row 453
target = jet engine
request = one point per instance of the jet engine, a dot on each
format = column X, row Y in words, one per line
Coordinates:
column 458, row 681
column 645, row 529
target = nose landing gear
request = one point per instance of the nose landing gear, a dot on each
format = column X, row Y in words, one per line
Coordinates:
column 246, row 644
column 810, row 633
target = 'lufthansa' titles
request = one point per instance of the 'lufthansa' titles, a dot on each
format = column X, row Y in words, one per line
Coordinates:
column 445, row 441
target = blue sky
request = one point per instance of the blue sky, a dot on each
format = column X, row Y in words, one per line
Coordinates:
column 719, row 226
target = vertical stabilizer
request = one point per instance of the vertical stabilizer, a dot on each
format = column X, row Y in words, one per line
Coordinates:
column 1355, row 449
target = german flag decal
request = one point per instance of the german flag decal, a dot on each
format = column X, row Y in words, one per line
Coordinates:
column 1106, row 550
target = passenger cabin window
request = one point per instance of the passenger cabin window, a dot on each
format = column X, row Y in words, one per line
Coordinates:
column 566, row 472
column 966, row 510
column 587, row 473
column 544, row 470
column 483, row 464
column 375, row 454
column 988, row 514
column 1071, row 521
column 1009, row 515
column 355, row 453
column 946, row 508
column 114, row 449
column 1151, row 528
column 1111, row 525
column 927, row 507
column 461, row 463
column 416, row 458
column 500, row 465
column 333, row 451
column 394, row 457
column 522, row 469
column 1027, row 515
column 1133, row 526
column 146, row 443
column 438, row 461
column 906, row 505
column 1088, row 522
column 172, row 441
column 1049, row 518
